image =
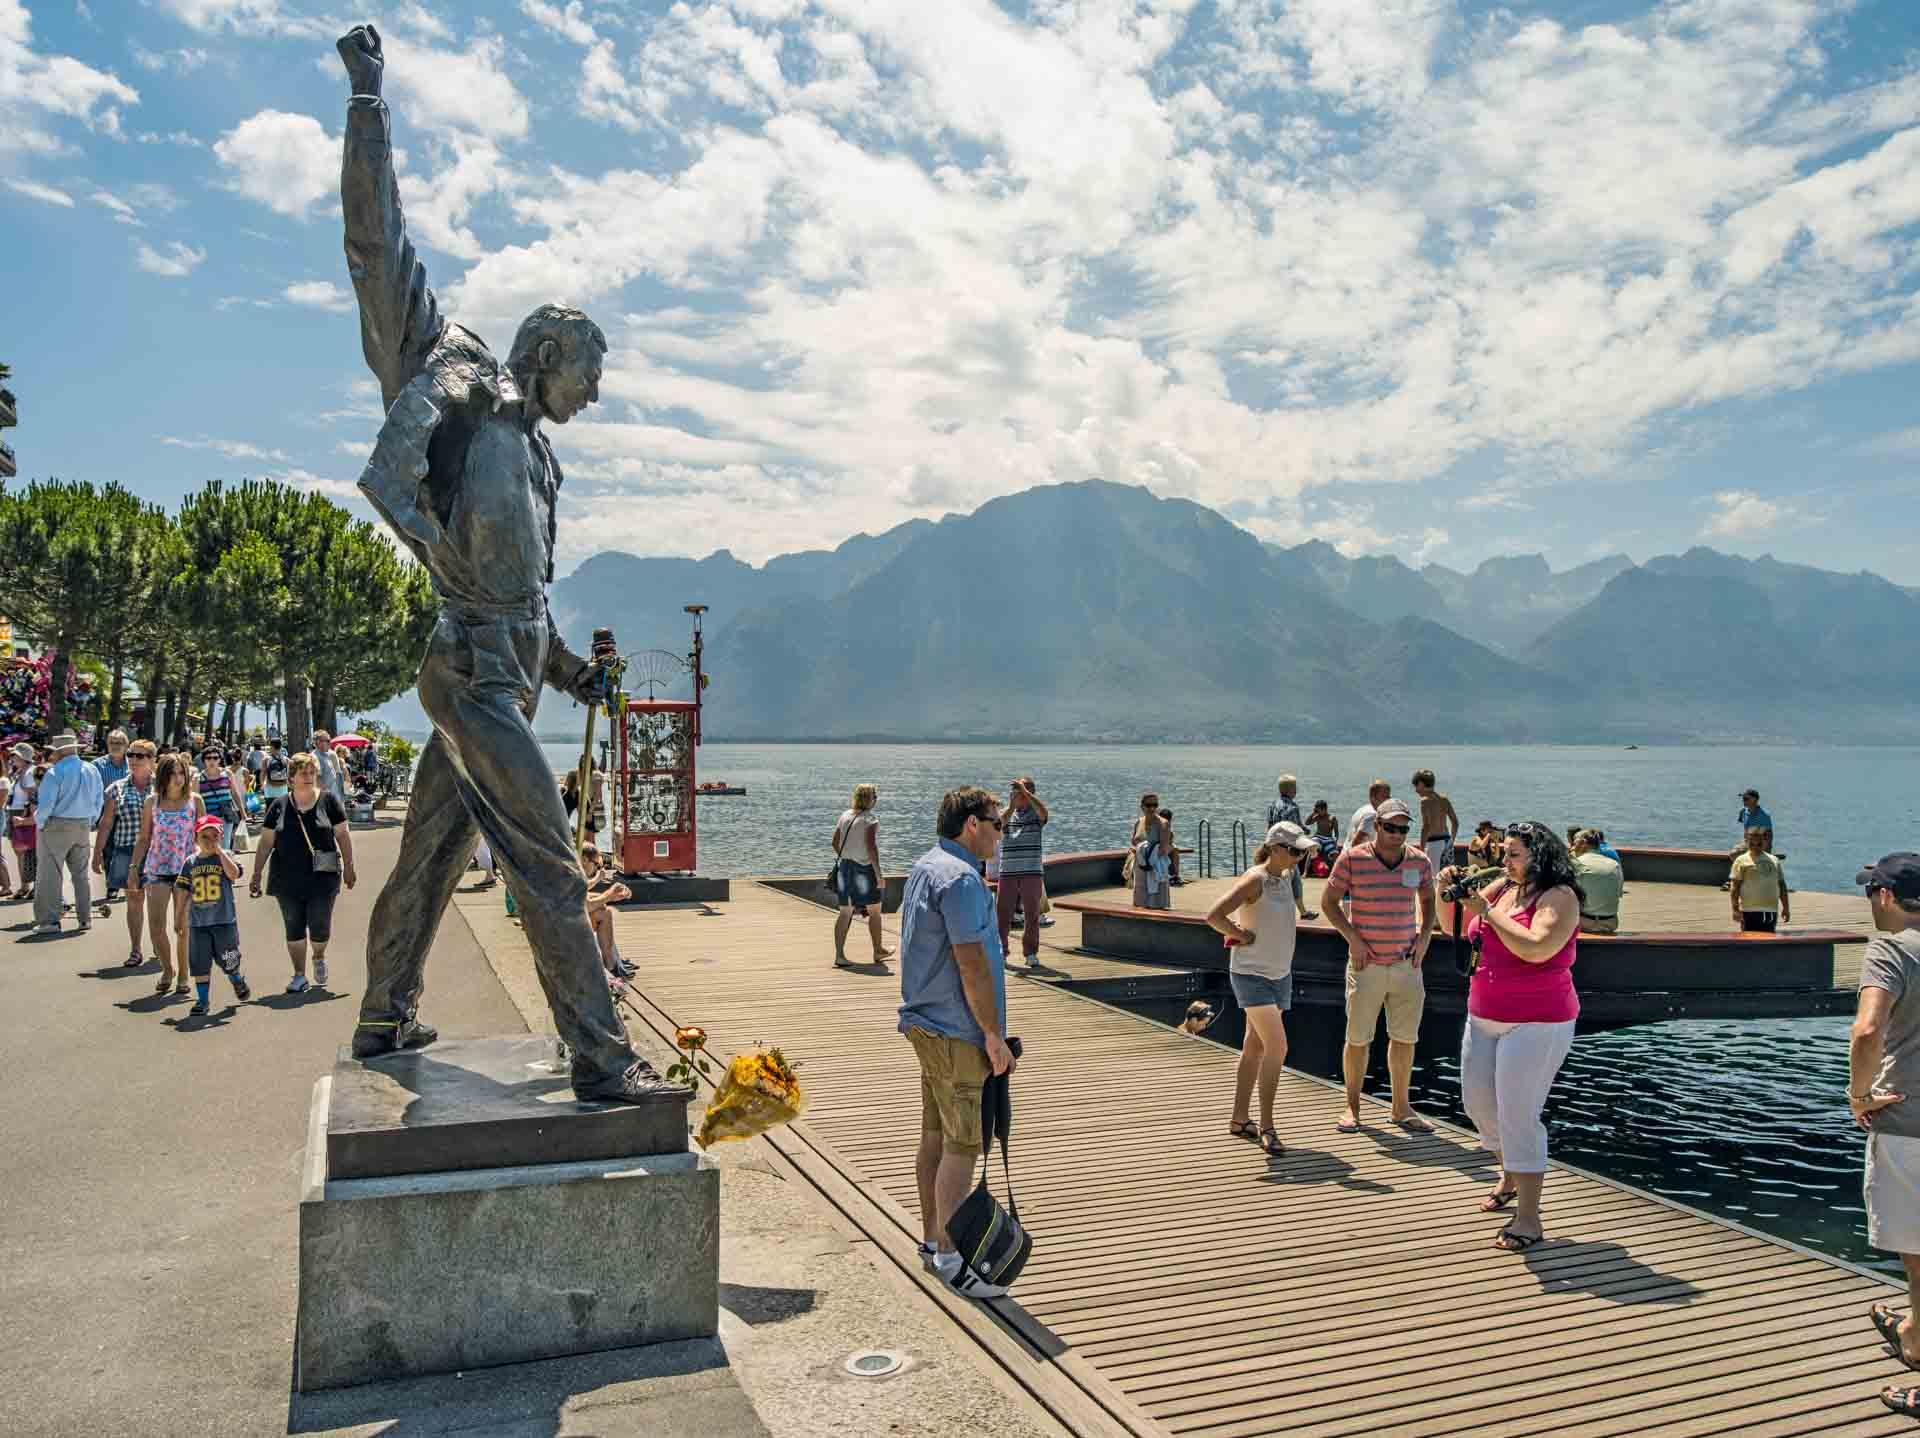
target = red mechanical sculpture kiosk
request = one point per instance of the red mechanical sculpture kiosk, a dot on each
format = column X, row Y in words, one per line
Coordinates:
column 655, row 811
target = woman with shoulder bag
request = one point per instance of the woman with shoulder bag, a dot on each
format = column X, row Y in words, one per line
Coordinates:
column 856, row 875
column 1260, row 935
column 1147, row 865
column 307, row 838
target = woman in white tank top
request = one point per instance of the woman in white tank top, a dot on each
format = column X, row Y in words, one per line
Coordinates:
column 1258, row 918
column 857, row 881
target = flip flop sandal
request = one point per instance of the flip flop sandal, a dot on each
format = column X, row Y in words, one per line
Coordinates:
column 165, row 985
column 1888, row 1324
column 136, row 961
column 182, row 988
column 1346, row 1125
column 1244, row 1128
column 1494, row 1202
column 843, row 963
column 1902, row 1400
column 1507, row 1241
column 1270, row 1141
column 1415, row 1124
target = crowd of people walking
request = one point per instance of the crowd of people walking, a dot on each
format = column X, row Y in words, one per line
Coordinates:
column 163, row 830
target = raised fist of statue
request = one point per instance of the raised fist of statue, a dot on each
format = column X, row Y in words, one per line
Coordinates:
column 594, row 684
column 360, row 51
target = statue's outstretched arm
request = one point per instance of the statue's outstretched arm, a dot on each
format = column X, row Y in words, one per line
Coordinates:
column 399, row 318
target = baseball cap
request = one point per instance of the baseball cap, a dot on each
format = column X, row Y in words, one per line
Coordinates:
column 1288, row 835
column 1393, row 809
column 208, row 821
column 1898, row 872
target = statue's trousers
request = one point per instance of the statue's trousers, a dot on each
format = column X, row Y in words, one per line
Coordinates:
column 483, row 773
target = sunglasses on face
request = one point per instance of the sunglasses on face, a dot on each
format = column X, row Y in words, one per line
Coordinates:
column 1873, row 889
column 1396, row 828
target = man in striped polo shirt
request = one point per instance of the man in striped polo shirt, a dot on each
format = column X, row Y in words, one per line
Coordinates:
column 1022, row 867
column 1380, row 897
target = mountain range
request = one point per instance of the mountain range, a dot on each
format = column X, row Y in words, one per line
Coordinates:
column 1094, row 612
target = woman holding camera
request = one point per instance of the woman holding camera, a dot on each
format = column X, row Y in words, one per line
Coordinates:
column 1260, row 938
column 1521, row 1012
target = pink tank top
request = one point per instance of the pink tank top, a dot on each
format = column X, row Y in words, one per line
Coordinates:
column 1510, row 990
column 171, row 843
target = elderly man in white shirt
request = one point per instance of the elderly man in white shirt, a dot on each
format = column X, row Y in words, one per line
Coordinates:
column 68, row 807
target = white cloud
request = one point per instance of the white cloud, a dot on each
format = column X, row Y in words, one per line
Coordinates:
column 171, row 137
column 1896, row 444
column 231, row 448
column 35, row 87
column 35, row 191
column 318, row 295
column 117, row 207
column 180, row 61
column 465, row 91
column 569, row 22
column 287, row 162
column 178, row 260
column 246, row 17
column 1742, row 514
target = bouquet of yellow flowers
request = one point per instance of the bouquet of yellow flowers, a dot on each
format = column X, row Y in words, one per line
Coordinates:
column 758, row 1091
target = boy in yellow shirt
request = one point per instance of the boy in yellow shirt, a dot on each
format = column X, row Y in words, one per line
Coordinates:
column 1760, row 899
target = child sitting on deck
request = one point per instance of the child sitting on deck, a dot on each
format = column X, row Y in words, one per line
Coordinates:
column 603, row 890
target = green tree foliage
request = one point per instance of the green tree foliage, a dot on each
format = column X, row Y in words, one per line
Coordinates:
column 80, row 568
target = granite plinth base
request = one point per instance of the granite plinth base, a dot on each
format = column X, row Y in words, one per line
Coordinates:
column 478, row 1104
column 676, row 889
column 440, row 1272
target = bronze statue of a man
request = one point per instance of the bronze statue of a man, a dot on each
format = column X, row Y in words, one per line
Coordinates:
column 463, row 474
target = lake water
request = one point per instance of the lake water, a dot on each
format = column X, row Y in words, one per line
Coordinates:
column 1743, row 1119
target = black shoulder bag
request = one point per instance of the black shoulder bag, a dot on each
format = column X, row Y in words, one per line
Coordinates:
column 992, row 1243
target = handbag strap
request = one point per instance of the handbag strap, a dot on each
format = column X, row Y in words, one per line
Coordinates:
column 996, row 1094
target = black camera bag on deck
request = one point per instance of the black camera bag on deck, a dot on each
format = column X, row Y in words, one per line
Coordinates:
column 990, row 1239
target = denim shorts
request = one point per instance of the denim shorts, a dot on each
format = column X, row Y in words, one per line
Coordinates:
column 1252, row 990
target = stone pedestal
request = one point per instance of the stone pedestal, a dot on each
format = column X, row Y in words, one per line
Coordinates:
column 461, row 1209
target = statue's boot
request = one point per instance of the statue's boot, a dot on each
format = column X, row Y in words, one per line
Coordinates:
column 372, row 1040
column 640, row 1083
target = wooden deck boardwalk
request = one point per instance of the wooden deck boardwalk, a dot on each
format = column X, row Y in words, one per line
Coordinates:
column 1185, row 1283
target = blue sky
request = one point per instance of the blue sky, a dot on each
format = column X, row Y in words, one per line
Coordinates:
column 1439, row 278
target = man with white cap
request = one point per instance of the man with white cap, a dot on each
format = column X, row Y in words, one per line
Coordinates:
column 68, row 806
column 1371, row 899
column 1883, row 1092
column 1286, row 810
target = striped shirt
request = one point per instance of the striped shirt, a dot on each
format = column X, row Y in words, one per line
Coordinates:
column 218, row 794
column 1383, row 903
column 128, row 802
column 1020, row 841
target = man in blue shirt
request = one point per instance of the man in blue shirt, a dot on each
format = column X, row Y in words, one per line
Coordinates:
column 68, row 806
column 1752, row 816
column 953, row 1005
column 113, row 766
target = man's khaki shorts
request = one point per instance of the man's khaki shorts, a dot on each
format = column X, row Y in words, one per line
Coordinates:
column 1590, row 924
column 1398, row 988
column 952, row 1073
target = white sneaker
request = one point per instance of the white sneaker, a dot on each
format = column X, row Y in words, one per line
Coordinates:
column 298, row 984
column 320, row 973
column 965, row 1282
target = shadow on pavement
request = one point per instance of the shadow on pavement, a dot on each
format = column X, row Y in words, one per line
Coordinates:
column 284, row 1000
column 195, row 1023
column 680, row 1388
column 145, row 968
column 755, row 1306
column 152, row 1003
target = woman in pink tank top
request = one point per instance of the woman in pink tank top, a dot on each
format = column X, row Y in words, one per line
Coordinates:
column 1521, row 1013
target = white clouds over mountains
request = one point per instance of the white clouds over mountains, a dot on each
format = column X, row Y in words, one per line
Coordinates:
column 865, row 259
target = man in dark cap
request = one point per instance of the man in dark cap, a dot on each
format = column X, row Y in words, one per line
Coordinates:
column 1883, row 1091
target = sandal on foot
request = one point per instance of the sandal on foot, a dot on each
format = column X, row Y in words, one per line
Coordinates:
column 843, row 962
column 165, row 986
column 1507, row 1241
column 1498, row 1199
column 1270, row 1141
column 1902, row 1400
column 182, row 988
column 1888, row 1324
column 1413, row 1123
column 136, row 961
column 1347, row 1125
column 1243, row 1128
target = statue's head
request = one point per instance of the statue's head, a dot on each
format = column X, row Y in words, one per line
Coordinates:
column 556, row 360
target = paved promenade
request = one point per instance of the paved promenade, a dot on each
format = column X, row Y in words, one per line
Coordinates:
column 148, row 1199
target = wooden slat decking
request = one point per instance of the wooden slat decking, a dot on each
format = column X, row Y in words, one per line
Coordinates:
column 1189, row 1284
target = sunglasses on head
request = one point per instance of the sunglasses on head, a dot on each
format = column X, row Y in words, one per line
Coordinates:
column 1523, row 831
